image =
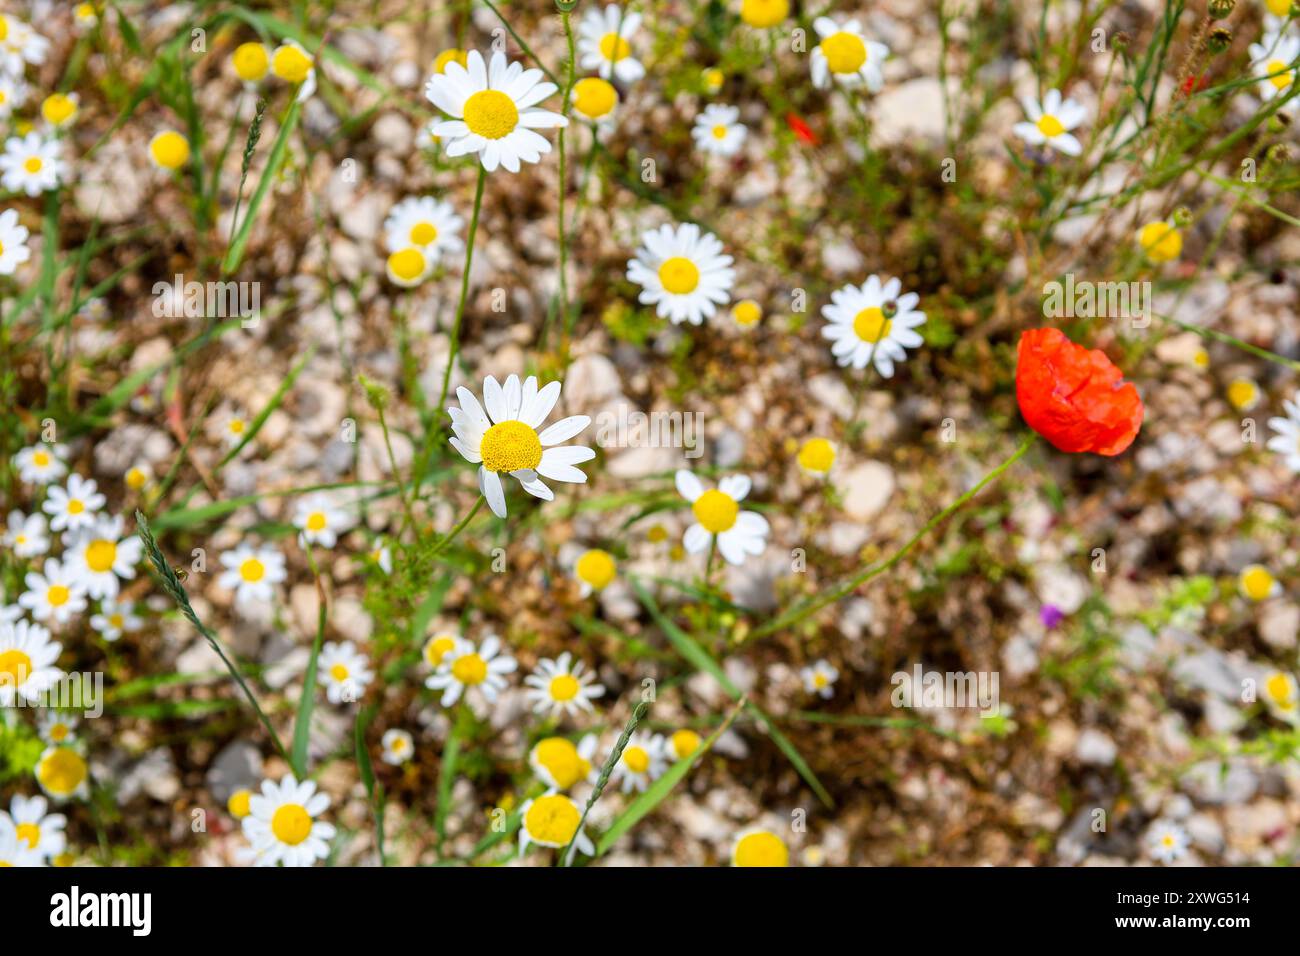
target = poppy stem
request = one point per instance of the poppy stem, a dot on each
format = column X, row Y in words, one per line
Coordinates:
column 801, row 611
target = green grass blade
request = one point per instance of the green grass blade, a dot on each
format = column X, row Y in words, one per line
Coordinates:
column 279, row 150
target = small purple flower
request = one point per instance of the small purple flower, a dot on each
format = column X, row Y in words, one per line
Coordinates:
column 1050, row 615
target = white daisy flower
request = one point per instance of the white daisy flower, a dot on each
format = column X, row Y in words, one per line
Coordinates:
column 494, row 110
column 559, row 764
column 595, row 99
column 604, row 43
column 42, row 464
column 57, row 727
column 13, row 243
column 1282, row 697
column 1270, row 59
column 291, row 63
column 31, row 164
column 344, row 671
column 681, row 744
column 281, row 824
column 1167, row 841
column 717, row 131
column 233, row 428
column 1257, row 583
column 27, row 535
column 465, row 667
column 42, row 831
column 75, row 506
column 846, row 56
column 437, row 647
column 553, row 820
column 13, row 93
column 642, row 762
column 63, row 774
column 84, row 17
column 1287, row 440
column 114, row 620
column 9, row 613
column 252, row 572
column 424, row 223
column 14, row 851
column 100, row 555
column 557, row 688
column 138, row 477
column 19, row 46
column 820, row 678
column 27, row 657
column 682, row 272
column 382, row 555
column 320, row 521
column 54, row 592
column 873, row 323
column 595, row 571
column 409, row 267
column 718, row 515
column 1050, row 123
column 398, row 746
column 508, row 440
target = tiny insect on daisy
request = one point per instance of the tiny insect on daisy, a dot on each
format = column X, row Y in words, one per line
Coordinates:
column 27, row 657
column 1050, row 123
column 718, row 517
column 1273, row 61
column 467, row 667
column 424, row 223
column 762, row 14
column 14, row 851
column 641, row 763
column 294, row 65
column 1160, row 241
column 558, row 689
column 1257, row 583
column 252, row 572
column 681, row 744
column 758, row 847
column 42, row 464
column 63, row 773
column 57, row 727
column 60, row 109
column 251, row 62
column 320, row 521
column 595, row 99
column 114, row 620
column 873, row 323
column 75, row 506
column 1166, row 841
column 437, row 647
column 552, row 820
column 281, row 824
column 101, row 557
column 1287, row 440
column 560, row 764
column 817, row 456
column 682, row 272
column 605, row 43
column 504, row 438
column 27, row 535
column 13, row 94
column 398, row 746
column 169, row 150
column 41, row 830
column 344, row 671
column 820, row 678
column 55, row 593
column 13, row 243
column 494, row 110
column 595, row 571
column 846, row 56
column 717, row 131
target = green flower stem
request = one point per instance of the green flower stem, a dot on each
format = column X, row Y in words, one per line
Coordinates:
column 464, row 290
column 564, row 179
column 451, row 535
column 799, row 612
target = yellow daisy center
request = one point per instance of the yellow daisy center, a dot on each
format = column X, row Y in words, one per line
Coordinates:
column 597, row 568
column 819, row 679
column 1257, row 582
column 1282, row 80
column 316, row 521
column 135, row 479
column 762, row 849
column 594, row 97
column 1160, row 241
column 236, row 426
column 636, row 759
column 1242, row 392
column 1279, row 8
column 679, row 275
column 562, row 761
column 116, row 621
column 716, row 511
column 436, row 649
column 33, row 164
column 845, row 52
column 40, row 459
column 252, row 570
column 4, row 28
column 747, row 312
column 59, row 733
column 469, row 669
column 614, row 48
column 685, row 743
column 817, row 454
column 564, row 687
column 491, row 114
column 291, row 64
column 764, row 13
column 720, row 131
column 291, row 824
column 552, row 819
column 170, row 150
column 100, row 555
column 1050, row 126
column 57, row 595
column 870, row 325
column 423, row 233
column 407, row 264
column 31, row 833
column 1167, row 839
column 510, row 446
column 339, row 672
column 58, row 108
column 250, row 61
column 61, row 771
column 76, row 506
column 15, row 668
column 238, row 804
column 450, row 56
column 1278, row 688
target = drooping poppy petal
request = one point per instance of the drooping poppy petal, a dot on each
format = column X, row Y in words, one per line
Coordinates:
column 1075, row 397
column 801, row 129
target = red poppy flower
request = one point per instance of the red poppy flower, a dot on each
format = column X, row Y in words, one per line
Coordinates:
column 1073, row 396
column 801, row 129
